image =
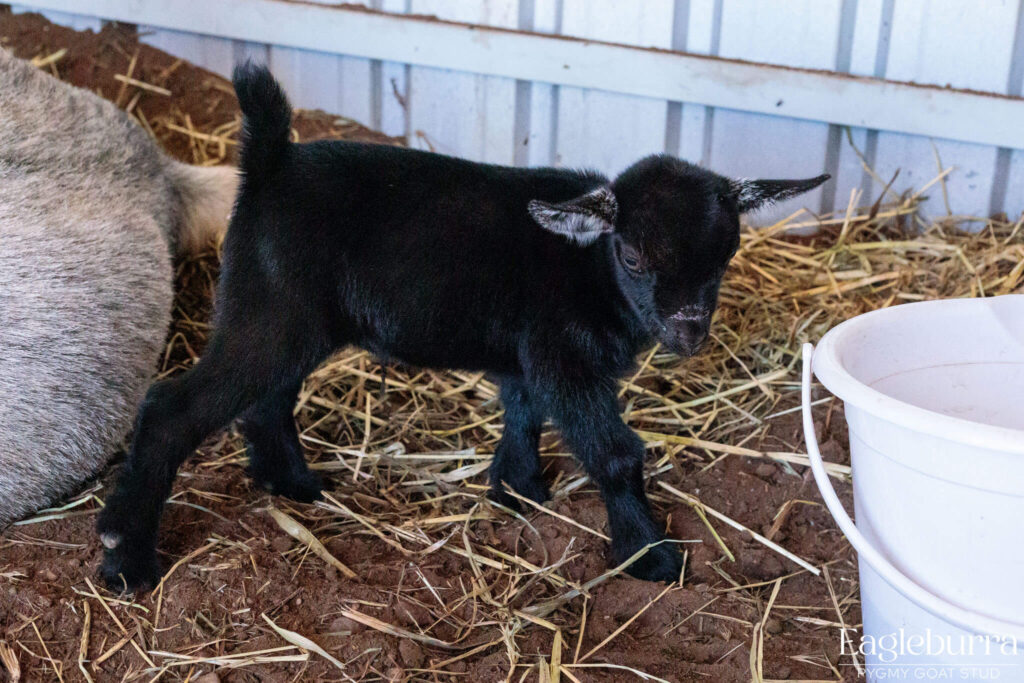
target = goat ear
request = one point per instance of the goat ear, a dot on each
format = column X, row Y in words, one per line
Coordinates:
column 755, row 194
column 582, row 219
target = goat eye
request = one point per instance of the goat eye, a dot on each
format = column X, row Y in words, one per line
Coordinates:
column 630, row 260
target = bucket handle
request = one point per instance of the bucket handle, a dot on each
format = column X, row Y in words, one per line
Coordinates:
column 953, row 614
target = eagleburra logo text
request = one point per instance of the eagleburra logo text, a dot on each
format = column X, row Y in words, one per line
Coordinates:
column 892, row 647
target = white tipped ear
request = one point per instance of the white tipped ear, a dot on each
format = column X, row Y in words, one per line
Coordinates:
column 754, row 194
column 582, row 219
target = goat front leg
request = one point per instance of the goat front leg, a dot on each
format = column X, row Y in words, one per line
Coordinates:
column 517, row 459
column 613, row 455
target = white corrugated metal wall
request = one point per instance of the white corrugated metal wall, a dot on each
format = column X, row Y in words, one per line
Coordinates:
column 972, row 45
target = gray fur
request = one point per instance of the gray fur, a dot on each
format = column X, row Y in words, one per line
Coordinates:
column 90, row 212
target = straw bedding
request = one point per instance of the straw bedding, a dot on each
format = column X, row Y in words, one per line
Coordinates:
column 405, row 571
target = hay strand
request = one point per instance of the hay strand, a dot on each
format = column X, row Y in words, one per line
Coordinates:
column 303, row 535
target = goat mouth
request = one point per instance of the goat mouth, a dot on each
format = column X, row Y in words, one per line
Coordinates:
column 682, row 349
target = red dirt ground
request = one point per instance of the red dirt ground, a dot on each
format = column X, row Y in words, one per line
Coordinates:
column 214, row 603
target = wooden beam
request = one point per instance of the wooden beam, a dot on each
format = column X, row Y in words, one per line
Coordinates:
column 984, row 118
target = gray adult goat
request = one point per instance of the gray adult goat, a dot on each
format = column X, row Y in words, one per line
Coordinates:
column 91, row 212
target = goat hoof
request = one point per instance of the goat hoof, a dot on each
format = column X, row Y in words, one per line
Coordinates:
column 130, row 572
column 304, row 487
column 501, row 497
column 110, row 540
column 660, row 563
column 534, row 489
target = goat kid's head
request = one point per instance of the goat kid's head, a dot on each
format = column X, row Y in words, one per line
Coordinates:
column 670, row 229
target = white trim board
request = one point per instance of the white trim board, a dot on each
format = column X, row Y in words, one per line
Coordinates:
column 982, row 118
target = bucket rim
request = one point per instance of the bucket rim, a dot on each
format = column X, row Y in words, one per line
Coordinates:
column 838, row 380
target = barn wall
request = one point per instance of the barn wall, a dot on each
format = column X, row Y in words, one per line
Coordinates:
column 976, row 45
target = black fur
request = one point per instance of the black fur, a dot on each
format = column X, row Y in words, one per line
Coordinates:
column 436, row 262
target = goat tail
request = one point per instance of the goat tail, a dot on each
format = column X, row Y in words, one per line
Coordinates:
column 205, row 196
column 267, row 121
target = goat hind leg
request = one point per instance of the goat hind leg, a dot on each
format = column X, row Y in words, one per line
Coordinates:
column 276, row 461
column 517, row 459
column 173, row 420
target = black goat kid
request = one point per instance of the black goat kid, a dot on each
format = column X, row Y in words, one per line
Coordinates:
column 552, row 280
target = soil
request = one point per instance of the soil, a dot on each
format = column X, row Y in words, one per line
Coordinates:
column 217, row 602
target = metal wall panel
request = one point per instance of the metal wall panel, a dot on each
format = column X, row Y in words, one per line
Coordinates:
column 603, row 130
column 965, row 45
column 975, row 45
column 799, row 33
column 462, row 113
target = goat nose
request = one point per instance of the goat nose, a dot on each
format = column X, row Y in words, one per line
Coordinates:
column 691, row 331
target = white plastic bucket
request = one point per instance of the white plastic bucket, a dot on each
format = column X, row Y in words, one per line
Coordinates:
column 934, row 398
